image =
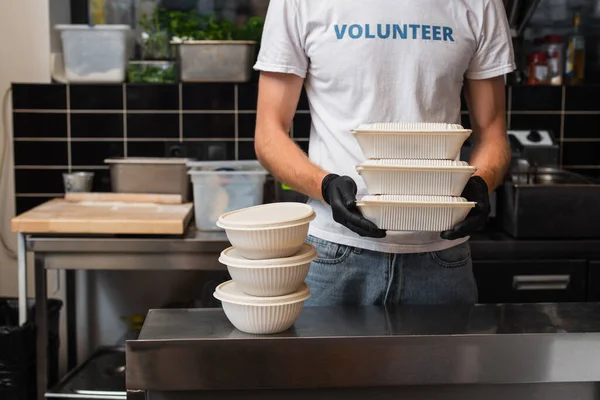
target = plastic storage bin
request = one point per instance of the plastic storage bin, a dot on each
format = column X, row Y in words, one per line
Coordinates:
column 96, row 54
column 224, row 186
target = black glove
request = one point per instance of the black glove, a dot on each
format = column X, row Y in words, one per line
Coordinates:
column 476, row 190
column 340, row 193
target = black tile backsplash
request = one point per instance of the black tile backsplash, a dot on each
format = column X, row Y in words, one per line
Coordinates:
column 247, row 125
column 152, row 97
column 581, row 153
column 162, row 126
column 201, row 121
column 207, row 126
column 582, row 126
column 41, row 153
column 208, row 96
column 39, row 96
column 147, row 149
column 39, row 181
column 40, row 125
column 246, row 151
column 302, row 126
column 96, row 97
column 582, row 98
column 536, row 98
column 97, row 126
column 247, row 96
column 94, row 153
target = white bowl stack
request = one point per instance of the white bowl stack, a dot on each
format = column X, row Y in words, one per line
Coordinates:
column 413, row 182
column 268, row 263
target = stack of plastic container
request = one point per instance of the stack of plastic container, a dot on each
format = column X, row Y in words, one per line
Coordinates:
column 268, row 262
column 413, row 182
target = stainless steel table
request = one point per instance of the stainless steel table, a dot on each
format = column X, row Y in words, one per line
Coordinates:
column 486, row 351
column 193, row 251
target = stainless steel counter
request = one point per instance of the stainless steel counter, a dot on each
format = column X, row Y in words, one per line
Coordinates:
column 330, row 348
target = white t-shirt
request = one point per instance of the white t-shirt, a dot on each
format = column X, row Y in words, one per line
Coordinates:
column 381, row 61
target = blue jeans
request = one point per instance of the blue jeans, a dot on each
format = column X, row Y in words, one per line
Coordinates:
column 344, row 275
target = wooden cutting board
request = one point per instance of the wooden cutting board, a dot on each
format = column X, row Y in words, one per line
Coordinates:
column 104, row 217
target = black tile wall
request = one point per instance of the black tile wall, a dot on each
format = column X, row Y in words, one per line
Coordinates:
column 39, row 181
column 59, row 128
column 164, row 126
column 210, row 96
column 97, row 125
column 39, row 96
column 94, row 153
column 247, row 125
column 41, row 153
column 536, row 98
column 247, row 96
column 581, row 153
column 96, row 97
column 302, row 124
column 246, row 151
column 209, row 126
column 25, row 203
column 40, row 125
column 582, row 126
column 582, row 98
column 152, row 97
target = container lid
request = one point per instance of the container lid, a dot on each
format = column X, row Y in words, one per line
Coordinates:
column 410, row 127
column 305, row 255
column 147, row 160
column 416, row 200
column 229, row 292
column 82, row 27
column 416, row 164
column 273, row 215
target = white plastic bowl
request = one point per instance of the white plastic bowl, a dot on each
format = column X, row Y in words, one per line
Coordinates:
column 261, row 315
column 269, row 231
column 415, row 213
column 411, row 140
column 419, row 177
column 268, row 278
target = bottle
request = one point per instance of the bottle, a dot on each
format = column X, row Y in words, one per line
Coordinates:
column 538, row 69
column 575, row 59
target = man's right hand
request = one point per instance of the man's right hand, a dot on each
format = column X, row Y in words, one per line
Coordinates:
column 340, row 193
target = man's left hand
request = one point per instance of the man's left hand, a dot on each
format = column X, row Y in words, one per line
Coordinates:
column 477, row 191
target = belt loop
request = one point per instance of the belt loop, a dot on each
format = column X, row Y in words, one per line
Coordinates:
column 357, row 250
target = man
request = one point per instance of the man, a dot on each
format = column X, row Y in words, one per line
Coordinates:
column 382, row 61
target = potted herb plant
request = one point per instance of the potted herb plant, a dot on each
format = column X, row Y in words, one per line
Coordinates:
column 156, row 65
column 210, row 49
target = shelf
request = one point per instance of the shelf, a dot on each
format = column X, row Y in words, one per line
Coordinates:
column 101, row 377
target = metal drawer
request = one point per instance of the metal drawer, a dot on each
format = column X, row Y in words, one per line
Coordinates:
column 536, row 281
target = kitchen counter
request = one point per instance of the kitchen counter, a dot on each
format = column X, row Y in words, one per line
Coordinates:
column 368, row 347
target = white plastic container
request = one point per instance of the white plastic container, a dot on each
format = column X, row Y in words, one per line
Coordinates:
column 268, row 278
column 415, row 213
column 432, row 141
column 419, row 177
column 268, row 231
column 224, row 186
column 95, row 54
column 261, row 315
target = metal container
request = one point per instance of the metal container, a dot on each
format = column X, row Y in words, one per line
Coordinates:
column 216, row 60
column 549, row 203
column 150, row 175
column 78, row 181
